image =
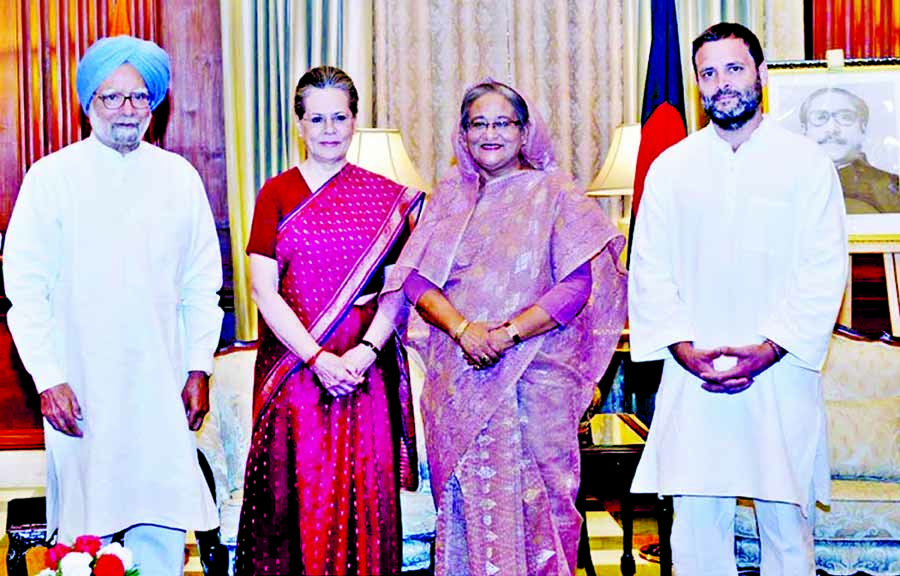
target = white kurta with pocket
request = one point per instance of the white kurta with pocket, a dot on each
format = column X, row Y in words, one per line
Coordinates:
column 112, row 265
column 730, row 248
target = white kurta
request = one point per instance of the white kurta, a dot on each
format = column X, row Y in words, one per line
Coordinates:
column 731, row 248
column 112, row 265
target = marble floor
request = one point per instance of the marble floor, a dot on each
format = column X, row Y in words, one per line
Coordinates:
column 606, row 544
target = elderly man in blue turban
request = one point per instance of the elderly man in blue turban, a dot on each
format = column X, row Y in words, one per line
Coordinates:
column 112, row 265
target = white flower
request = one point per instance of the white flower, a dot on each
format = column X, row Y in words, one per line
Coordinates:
column 47, row 572
column 116, row 549
column 76, row 564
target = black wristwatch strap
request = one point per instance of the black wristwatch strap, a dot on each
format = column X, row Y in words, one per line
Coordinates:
column 370, row 345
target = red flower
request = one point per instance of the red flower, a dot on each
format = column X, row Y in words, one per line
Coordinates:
column 55, row 554
column 109, row 565
column 88, row 544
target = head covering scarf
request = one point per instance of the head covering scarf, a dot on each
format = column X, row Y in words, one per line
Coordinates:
column 537, row 149
column 107, row 54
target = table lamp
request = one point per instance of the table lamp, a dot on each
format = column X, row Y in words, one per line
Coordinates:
column 616, row 177
column 381, row 150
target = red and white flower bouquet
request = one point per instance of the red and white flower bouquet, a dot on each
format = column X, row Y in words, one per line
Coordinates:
column 86, row 557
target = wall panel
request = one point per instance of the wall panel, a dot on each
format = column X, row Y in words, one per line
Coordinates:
column 41, row 46
column 41, row 42
column 863, row 28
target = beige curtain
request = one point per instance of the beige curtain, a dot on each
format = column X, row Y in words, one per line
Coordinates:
column 565, row 55
column 247, row 148
column 266, row 46
column 778, row 23
column 336, row 33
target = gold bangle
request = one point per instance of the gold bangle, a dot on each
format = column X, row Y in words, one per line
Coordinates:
column 459, row 330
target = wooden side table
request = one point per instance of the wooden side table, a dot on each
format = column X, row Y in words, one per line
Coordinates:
column 610, row 451
column 21, row 425
column 888, row 246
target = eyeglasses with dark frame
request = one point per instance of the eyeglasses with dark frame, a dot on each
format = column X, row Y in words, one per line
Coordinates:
column 504, row 126
column 844, row 117
column 115, row 100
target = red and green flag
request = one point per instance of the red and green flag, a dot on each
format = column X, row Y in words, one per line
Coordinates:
column 662, row 119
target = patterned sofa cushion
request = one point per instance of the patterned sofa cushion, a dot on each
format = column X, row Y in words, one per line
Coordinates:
column 417, row 508
column 224, row 437
column 861, row 529
column 418, row 520
column 860, row 511
column 861, row 532
column 856, row 369
column 225, row 440
column 864, row 438
column 835, row 558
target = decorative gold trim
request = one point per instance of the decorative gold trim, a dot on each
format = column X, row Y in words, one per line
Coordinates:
column 857, row 238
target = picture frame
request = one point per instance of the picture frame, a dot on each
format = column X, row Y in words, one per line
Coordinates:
column 853, row 112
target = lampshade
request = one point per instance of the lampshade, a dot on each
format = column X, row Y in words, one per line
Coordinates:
column 616, row 177
column 381, row 150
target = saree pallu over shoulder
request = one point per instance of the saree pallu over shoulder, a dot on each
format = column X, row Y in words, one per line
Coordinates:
column 327, row 250
column 502, row 442
column 523, row 233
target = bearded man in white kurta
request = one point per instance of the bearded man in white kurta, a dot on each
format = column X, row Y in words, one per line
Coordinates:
column 112, row 266
column 738, row 267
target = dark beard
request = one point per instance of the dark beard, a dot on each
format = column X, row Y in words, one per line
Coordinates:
column 748, row 104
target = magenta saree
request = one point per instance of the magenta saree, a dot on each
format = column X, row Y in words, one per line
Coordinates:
column 502, row 442
column 321, row 488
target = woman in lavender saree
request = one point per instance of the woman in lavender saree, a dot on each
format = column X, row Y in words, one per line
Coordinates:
column 321, row 488
column 519, row 276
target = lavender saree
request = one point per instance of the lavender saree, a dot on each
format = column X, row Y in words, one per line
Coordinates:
column 321, row 492
column 502, row 442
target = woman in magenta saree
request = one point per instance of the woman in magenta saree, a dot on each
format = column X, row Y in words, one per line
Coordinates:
column 518, row 275
column 321, row 486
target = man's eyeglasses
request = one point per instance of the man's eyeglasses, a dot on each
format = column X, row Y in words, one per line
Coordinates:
column 503, row 126
column 115, row 100
column 844, row 117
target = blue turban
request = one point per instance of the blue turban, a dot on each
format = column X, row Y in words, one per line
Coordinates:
column 107, row 54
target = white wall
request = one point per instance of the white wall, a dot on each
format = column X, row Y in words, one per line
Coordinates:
column 22, row 469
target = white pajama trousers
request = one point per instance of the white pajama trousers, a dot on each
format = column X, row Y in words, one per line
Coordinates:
column 157, row 550
column 703, row 537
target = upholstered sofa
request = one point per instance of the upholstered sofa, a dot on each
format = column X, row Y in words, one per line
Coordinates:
column 417, row 508
column 860, row 532
column 225, row 440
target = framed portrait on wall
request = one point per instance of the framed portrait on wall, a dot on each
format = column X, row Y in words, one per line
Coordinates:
column 853, row 113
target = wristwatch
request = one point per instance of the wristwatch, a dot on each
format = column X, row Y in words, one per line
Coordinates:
column 512, row 332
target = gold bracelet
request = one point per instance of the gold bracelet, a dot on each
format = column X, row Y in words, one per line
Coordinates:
column 459, row 330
